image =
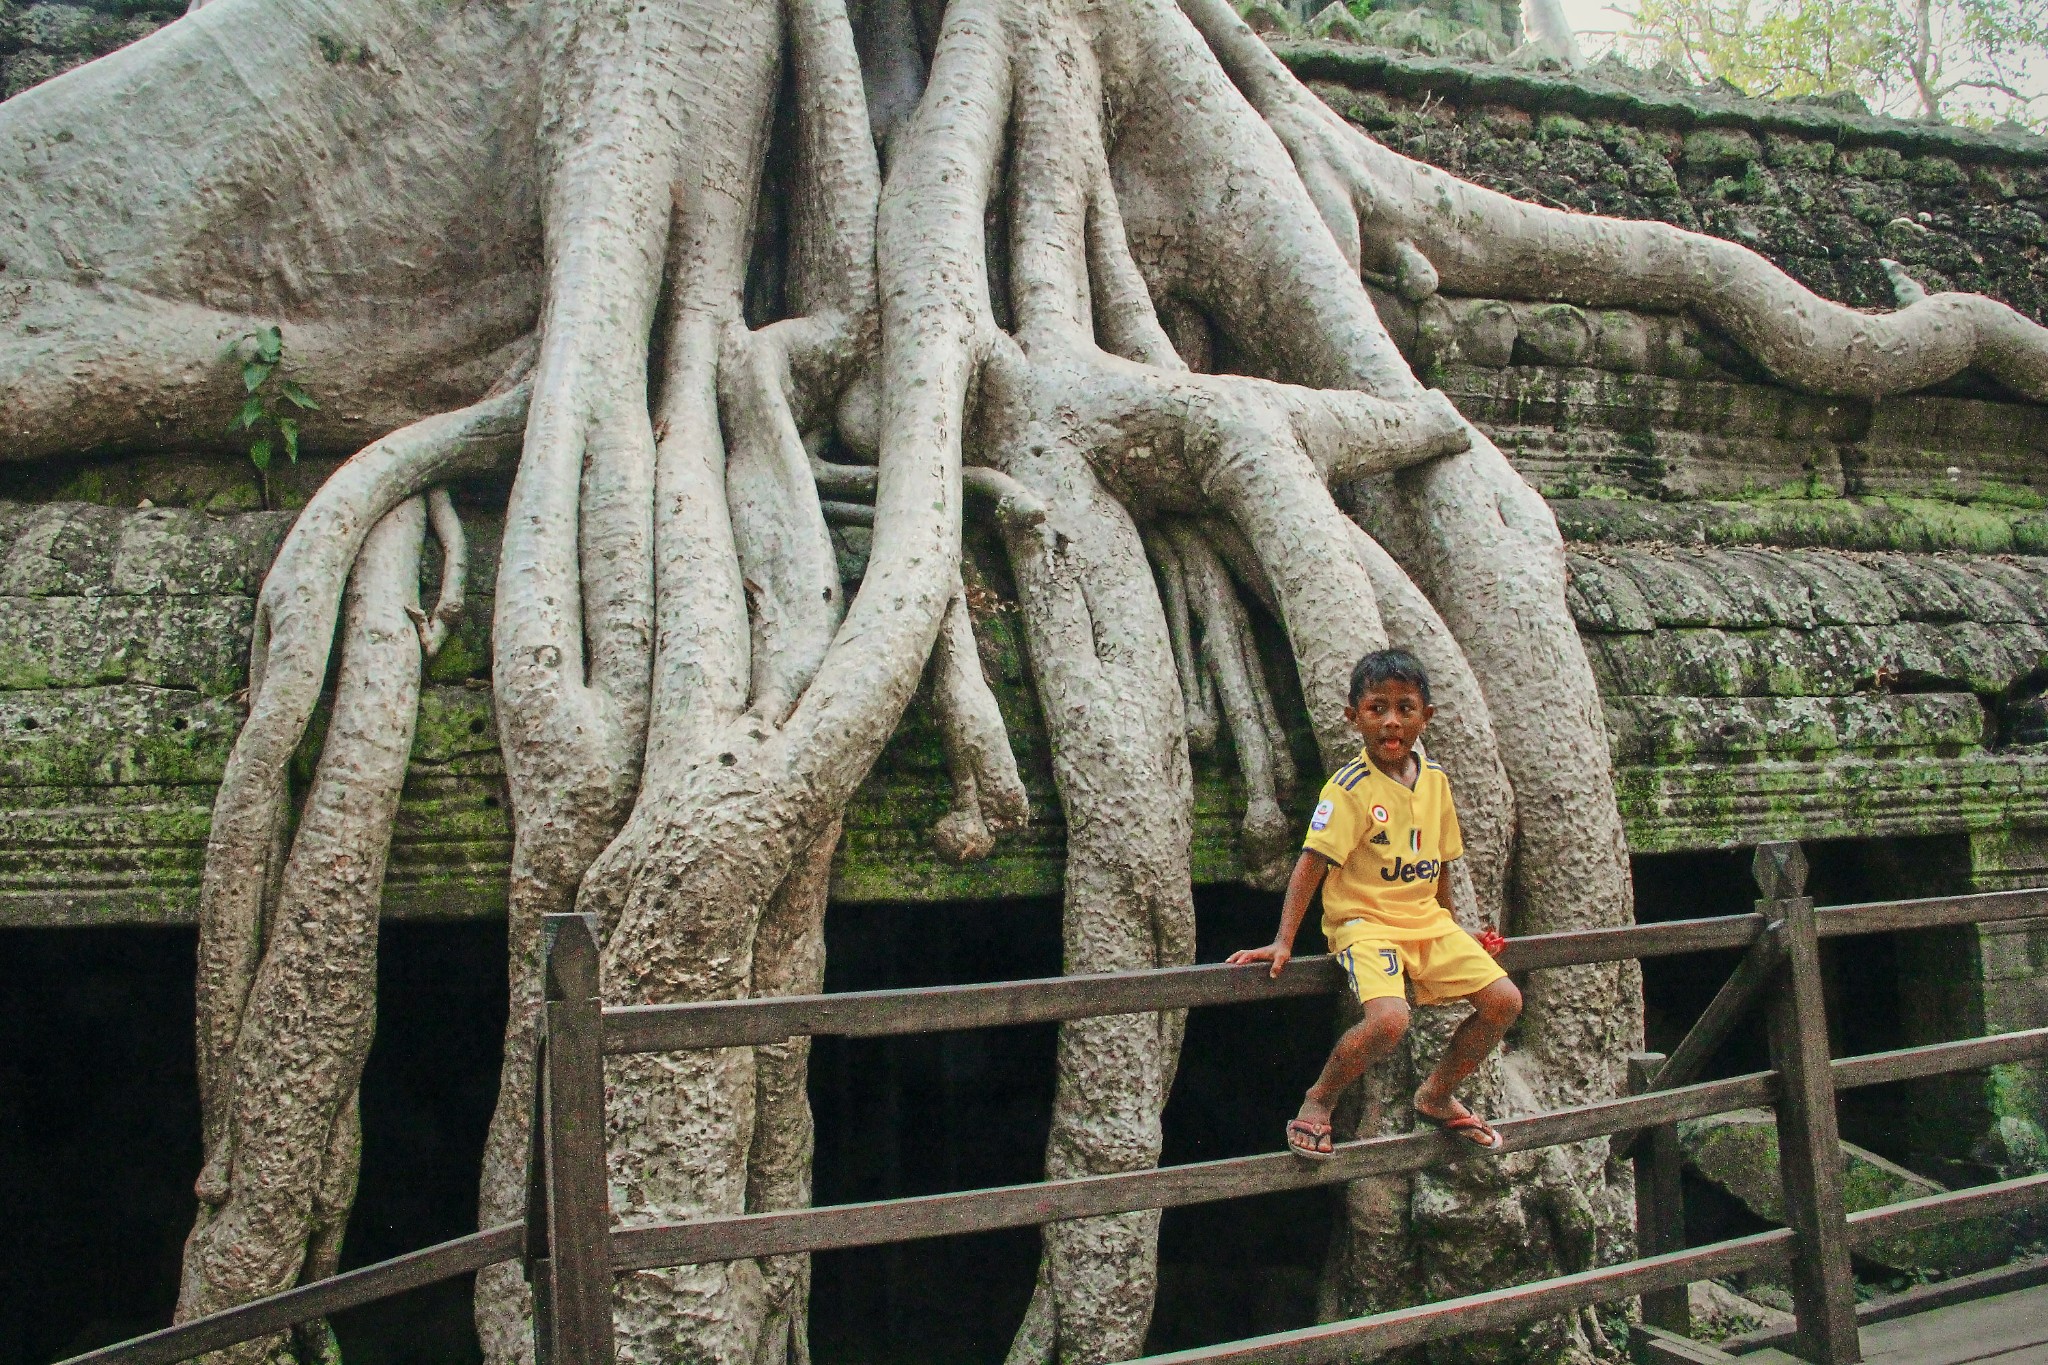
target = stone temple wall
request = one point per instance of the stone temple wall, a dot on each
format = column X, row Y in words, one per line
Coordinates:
column 41, row 40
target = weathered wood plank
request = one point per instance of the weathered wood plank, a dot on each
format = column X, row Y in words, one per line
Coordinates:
column 1935, row 1059
column 579, row 1291
column 1934, row 912
column 1671, row 938
column 866, row 1014
column 900, row 1220
column 736, row 1023
column 1651, row 1345
column 1717, row 1021
column 1660, row 1204
column 430, row 1265
column 1920, row 1298
column 1383, row 1332
column 1979, row 1201
column 1809, row 1143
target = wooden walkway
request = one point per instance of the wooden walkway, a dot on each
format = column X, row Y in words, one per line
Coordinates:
column 2011, row 1329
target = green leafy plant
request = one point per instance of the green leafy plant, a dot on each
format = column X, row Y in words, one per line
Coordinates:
column 269, row 412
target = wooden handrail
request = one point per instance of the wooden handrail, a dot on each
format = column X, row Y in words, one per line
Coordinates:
column 1055, row 999
column 265, row 1316
column 940, row 1009
column 739, row 1236
column 1936, row 1059
column 1383, row 1332
column 1493, row 1309
column 1931, row 912
column 1980, row 1201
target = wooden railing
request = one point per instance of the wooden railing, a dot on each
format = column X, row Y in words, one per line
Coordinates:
column 572, row 1252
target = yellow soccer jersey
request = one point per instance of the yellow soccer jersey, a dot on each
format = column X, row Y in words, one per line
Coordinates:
column 1389, row 845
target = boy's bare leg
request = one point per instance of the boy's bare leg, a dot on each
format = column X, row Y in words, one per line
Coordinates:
column 1366, row 1042
column 1494, row 1009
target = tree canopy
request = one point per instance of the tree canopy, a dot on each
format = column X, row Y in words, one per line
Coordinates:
column 1972, row 61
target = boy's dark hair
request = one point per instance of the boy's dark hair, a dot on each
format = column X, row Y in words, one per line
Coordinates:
column 1389, row 665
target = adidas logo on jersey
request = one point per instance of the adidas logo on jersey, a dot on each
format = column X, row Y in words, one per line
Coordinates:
column 1379, row 838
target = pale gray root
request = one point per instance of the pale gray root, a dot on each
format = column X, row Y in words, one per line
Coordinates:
column 314, row 1342
column 791, row 576
column 1229, row 658
column 988, row 792
column 1149, row 433
column 1550, row 31
column 629, row 117
column 732, row 798
column 667, row 595
column 1485, row 244
column 789, row 959
column 449, row 602
column 1255, row 454
column 1461, row 737
column 294, row 634
column 1104, row 669
column 1197, row 684
column 281, row 1161
column 1483, row 545
column 1492, row 563
column 293, row 179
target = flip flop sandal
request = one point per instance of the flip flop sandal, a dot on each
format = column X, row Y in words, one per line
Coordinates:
column 1314, row 1132
column 1468, row 1126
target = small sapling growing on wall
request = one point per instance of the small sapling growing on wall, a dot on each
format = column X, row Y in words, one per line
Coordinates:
column 263, row 414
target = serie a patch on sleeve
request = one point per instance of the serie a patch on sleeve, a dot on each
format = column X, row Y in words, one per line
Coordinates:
column 1321, row 819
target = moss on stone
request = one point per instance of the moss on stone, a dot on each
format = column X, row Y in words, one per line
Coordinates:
column 1739, row 1153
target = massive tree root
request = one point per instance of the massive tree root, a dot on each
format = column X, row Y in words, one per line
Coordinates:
column 1111, row 295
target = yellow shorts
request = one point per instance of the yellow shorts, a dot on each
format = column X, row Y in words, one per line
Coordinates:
column 1447, row 968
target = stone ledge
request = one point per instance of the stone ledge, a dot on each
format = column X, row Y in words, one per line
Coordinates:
column 1675, row 807
column 1634, row 590
column 1589, row 96
column 132, row 856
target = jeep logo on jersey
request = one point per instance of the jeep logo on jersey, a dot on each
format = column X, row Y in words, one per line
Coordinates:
column 1404, row 871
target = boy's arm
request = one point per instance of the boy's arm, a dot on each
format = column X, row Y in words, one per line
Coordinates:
column 1443, row 884
column 1309, row 871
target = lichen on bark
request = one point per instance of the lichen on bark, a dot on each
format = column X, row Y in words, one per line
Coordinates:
column 711, row 277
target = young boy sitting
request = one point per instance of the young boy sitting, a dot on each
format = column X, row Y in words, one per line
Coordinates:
column 1380, row 846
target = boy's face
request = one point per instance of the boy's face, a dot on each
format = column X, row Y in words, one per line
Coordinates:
column 1391, row 716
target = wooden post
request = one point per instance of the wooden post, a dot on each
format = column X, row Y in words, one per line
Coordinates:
column 1660, row 1206
column 540, row 1270
column 579, row 1296
column 1809, row 1143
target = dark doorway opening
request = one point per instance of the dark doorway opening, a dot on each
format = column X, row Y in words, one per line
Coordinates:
column 99, row 1132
